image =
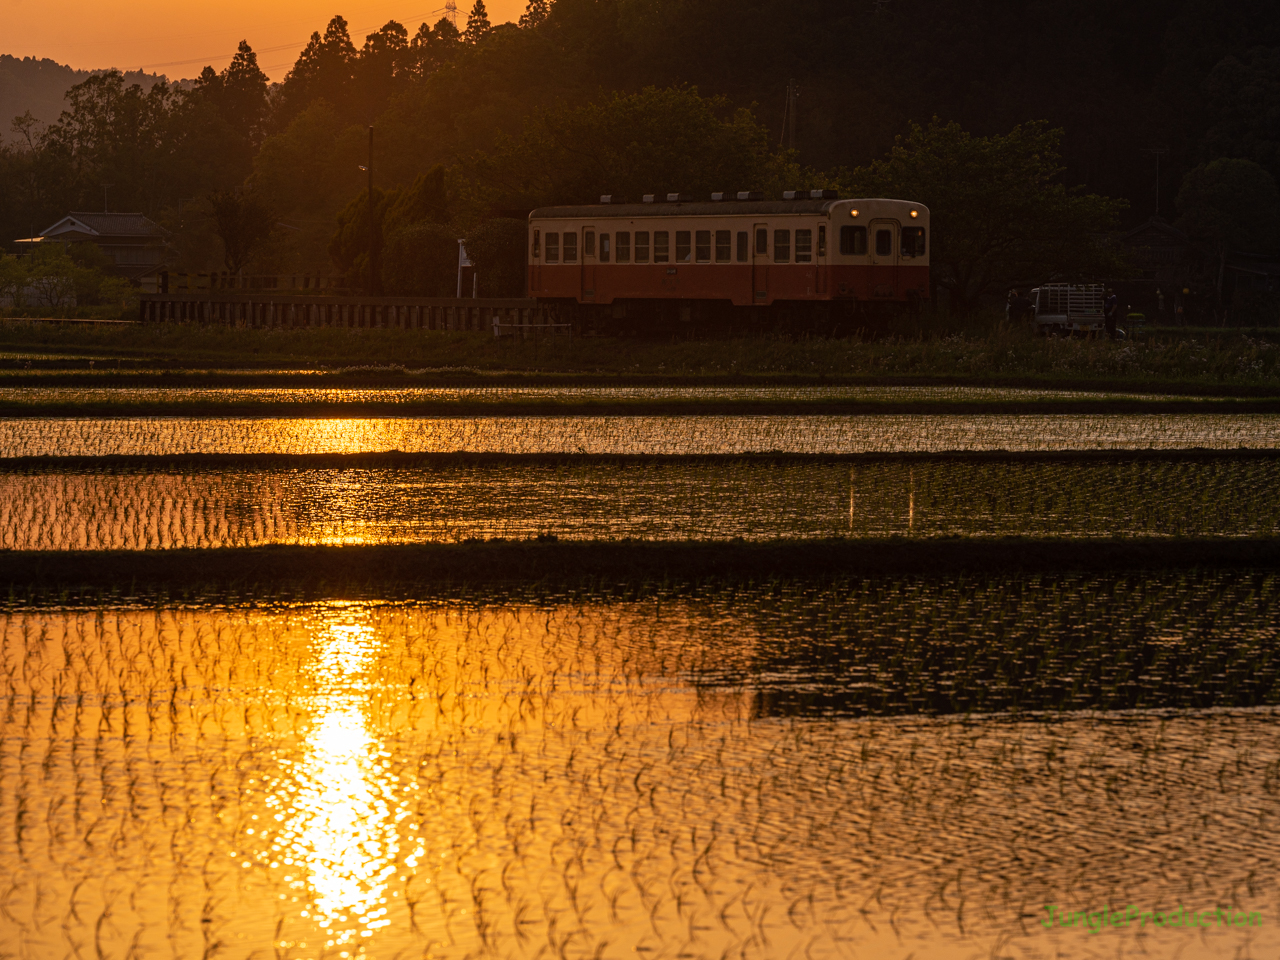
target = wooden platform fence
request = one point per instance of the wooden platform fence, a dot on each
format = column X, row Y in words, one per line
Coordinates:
column 507, row 317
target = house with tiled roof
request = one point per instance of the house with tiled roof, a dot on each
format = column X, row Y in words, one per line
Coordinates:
column 136, row 245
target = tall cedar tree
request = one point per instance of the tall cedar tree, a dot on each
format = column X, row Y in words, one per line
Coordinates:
column 477, row 24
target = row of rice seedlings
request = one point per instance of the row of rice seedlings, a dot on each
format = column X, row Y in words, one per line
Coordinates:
column 590, row 779
column 654, row 501
column 636, row 435
column 304, row 392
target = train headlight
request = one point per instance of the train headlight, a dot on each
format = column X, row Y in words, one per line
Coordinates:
column 914, row 214
column 853, row 213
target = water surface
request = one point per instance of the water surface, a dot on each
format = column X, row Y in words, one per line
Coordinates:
column 654, row 778
column 52, row 437
column 167, row 506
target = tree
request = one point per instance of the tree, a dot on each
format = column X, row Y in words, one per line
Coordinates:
column 998, row 214
column 426, row 200
column 323, row 71
column 239, row 93
column 244, row 223
column 421, row 260
column 477, row 24
column 654, row 141
column 535, row 13
column 1244, row 99
column 1231, row 205
column 497, row 248
column 349, row 248
column 384, row 67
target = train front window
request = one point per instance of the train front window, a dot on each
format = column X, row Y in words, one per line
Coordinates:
column 553, row 248
column 853, row 241
column 702, row 246
column 624, row 246
column 913, row 242
column 570, row 246
column 642, row 246
column 804, row 246
column 662, row 246
column 682, row 246
column 781, row 246
column 884, row 243
column 762, row 241
column 604, row 248
column 588, row 243
column 724, row 246
column 744, row 241
column 537, row 243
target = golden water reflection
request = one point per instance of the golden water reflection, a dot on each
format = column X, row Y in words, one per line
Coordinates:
column 337, row 820
column 598, row 779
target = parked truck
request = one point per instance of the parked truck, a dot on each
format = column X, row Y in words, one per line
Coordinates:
column 1069, row 309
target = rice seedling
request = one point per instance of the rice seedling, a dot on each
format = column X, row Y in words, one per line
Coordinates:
column 692, row 435
column 675, row 774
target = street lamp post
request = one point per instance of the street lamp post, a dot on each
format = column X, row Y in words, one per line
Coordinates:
column 373, row 223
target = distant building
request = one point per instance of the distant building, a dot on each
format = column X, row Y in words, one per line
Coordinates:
column 136, row 245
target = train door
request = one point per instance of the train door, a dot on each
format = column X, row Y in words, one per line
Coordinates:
column 589, row 261
column 760, row 263
column 882, row 247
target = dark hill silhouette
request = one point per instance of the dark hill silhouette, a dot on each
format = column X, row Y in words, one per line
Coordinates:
column 40, row 85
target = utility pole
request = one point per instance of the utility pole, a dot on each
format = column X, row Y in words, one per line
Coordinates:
column 105, row 207
column 789, row 114
column 373, row 226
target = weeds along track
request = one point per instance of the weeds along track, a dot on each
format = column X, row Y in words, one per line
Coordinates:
column 655, row 777
column 217, row 502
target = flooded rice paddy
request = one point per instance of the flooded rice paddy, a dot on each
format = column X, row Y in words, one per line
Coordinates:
column 770, row 772
column 889, row 766
column 148, row 505
column 686, row 435
column 38, row 395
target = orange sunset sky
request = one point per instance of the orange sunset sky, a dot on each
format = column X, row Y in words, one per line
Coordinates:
column 178, row 39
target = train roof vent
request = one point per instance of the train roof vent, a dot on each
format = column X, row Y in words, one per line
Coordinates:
column 750, row 195
column 648, row 198
column 610, row 198
column 679, row 198
column 718, row 196
column 795, row 194
column 823, row 195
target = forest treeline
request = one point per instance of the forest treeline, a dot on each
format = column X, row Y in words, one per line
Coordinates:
column 480, row 123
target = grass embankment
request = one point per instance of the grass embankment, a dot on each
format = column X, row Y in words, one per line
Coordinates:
column 424, row 569
column 1224, row 362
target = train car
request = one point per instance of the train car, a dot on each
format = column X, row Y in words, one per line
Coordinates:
column 805, row 255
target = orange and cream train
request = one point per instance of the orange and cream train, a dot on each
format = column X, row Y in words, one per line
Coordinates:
column 803, row 255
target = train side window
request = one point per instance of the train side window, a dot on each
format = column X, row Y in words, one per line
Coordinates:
column 912, row 242
column 537, row 243
column 762, row 241
column 570, row 246
column 642, row 246
column 781, row 246
column 822, row 241
column 804, row 246
column 624, row 246
column 553, row 248
column 662, row 246
column 853, row 241
column 744, row 241
column 682, row 246
column 724, row 246
column 884, row 243
column 604, row 248
column 702, row 246
column 588, row 243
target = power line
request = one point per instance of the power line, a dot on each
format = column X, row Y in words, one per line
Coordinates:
column 276, row 49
